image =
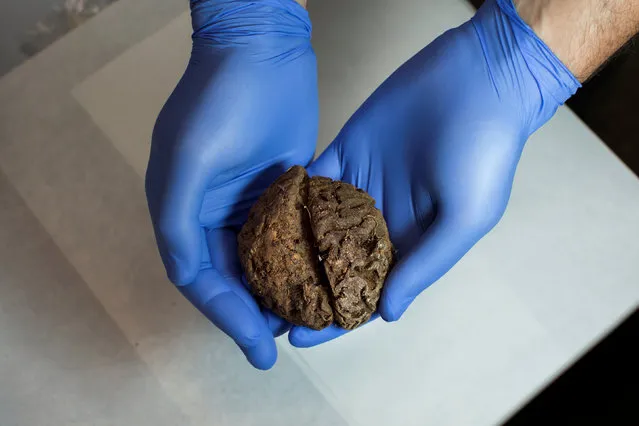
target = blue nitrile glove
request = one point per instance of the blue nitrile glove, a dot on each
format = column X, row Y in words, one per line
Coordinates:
column 244, row 111
column 438, row 143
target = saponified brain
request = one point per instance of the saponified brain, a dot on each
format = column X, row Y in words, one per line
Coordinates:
column 316, row 251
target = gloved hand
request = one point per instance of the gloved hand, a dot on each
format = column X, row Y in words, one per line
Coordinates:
column 437, row 145
column 244, row 111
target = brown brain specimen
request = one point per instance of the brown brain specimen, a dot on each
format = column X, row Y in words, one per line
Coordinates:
column 316, row 251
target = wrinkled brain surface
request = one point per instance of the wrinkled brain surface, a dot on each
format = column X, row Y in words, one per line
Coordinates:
column 316, row 251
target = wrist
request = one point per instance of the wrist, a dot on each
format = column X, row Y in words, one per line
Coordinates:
column 582, row 33
column 547, row 18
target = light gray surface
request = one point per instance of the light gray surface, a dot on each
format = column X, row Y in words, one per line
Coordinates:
column 74, row 128
column 62, row 358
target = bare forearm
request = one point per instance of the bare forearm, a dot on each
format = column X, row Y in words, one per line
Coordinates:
column 302, row 2
column 582, row 33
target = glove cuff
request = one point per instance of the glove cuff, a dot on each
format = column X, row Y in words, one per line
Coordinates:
column 507, row 38
column 237, row 23
column 558, row 79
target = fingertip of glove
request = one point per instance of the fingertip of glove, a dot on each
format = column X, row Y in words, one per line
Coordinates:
column 262, row 355
column 229, row 313
column 298, row 337
column 389, row 311
column 180, row 275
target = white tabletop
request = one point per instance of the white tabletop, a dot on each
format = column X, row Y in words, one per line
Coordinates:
column 91, row 332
